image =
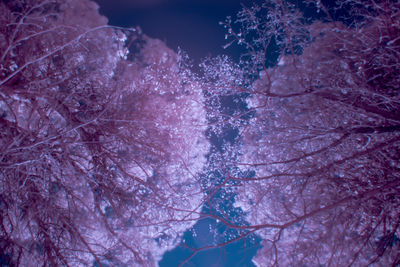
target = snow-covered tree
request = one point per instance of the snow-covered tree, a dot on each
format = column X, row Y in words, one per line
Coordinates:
column 322, row 146
column 102, row 134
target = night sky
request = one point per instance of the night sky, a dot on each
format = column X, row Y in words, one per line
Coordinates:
column 189, row 24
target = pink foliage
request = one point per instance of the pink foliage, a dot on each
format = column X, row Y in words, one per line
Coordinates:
column 324, row 141
column 97, row 159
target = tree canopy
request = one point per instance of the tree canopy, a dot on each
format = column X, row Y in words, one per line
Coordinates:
column 101, row 139
column 111, row 147
column 323, row 143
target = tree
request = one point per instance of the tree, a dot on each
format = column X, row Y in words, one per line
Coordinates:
column 319, row 173
column 102, row 134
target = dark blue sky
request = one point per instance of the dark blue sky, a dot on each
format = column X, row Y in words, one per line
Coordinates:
column 189, row 24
